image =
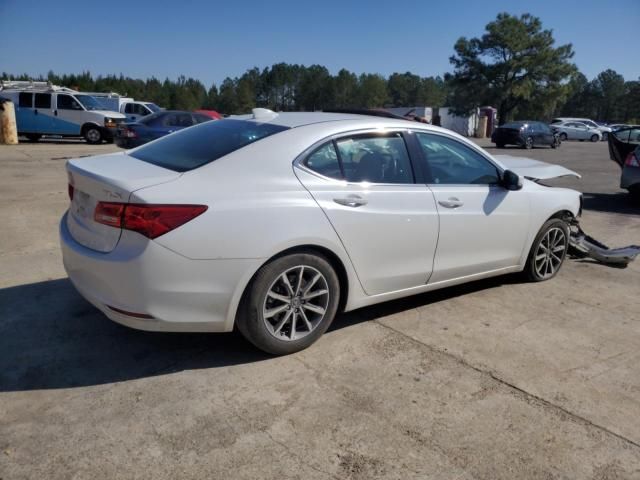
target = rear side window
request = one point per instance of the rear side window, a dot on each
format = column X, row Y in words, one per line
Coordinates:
column 193, row 147
column 43, row 100
column 25, row 100
column 375, row 159
column 324, row 161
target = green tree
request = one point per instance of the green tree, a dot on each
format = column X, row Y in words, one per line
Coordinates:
column 345, row 89
column 512, row 64
column 372, row 91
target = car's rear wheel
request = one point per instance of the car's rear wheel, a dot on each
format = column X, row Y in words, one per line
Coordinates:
column 594, row 138
column 290, row 303
column 563, row 137
column 528, row 143
column 548, row 251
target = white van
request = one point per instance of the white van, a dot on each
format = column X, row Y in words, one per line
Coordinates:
column 45, row 109
column 130, row 108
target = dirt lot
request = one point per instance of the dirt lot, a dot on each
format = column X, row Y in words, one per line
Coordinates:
column 493, row 380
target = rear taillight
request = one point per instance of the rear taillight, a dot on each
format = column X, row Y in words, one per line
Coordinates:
column 149, row 220
column 70, row 191
column 128, row 133
column 632, row 160
column 109, row 214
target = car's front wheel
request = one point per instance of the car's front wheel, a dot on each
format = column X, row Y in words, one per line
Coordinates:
column 528, row 143
column 290, row 303
column 595, row 138
column 563, row 137
column 548, row 251
column 92, row 135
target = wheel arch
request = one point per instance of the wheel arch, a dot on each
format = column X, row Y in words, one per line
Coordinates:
column 334, row 259
column 87, row 125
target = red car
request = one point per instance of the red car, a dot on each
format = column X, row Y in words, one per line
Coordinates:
column 210, row 113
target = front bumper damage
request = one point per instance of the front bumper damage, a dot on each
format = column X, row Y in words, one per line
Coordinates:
column 582, row 245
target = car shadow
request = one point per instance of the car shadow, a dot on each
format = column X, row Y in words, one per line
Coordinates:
column 620, row 202
column 51, row 338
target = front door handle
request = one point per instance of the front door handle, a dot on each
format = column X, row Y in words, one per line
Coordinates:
column 451, row 202
column 351, row 201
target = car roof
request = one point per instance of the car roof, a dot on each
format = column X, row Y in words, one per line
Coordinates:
column 299, row 119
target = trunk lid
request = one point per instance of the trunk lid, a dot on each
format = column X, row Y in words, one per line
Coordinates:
column 106, row 178
column 534, row 169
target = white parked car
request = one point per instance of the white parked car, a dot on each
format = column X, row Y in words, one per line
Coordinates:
column 275, row 222
column 576, row 131
column 603, row 129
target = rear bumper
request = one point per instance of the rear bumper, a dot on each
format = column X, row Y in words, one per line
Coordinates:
column 141, row 276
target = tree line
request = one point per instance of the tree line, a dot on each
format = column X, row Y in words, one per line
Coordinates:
column 515, row 67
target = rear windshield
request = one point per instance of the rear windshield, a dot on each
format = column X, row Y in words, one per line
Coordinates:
column 196, row 146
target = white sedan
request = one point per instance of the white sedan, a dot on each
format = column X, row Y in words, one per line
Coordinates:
column 577, row 131
column 274, row 223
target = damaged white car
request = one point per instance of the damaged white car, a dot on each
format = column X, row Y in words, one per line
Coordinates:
column 275, row 222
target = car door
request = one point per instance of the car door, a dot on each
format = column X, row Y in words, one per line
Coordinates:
column 386, row 220
column 43, row 113
column 26, row 118
column 483, row 226
column 68, row 116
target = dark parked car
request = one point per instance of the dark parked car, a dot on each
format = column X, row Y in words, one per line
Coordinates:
column 624, row 149
column 525, row 134
column 156, row 125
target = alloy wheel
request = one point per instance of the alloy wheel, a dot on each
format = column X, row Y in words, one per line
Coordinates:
column 296, row 303
column 550, row 252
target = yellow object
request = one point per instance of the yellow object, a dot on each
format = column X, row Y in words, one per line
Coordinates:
column 8, row 127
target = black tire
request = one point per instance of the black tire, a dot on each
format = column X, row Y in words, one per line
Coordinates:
column 563, row 137
column 555, row 144
column 537, row 269
column 605, row 136
column 500, row 145
column 528, row 143
column 33, row 137
column 594, row 138
column 92, row 135
column 251, row 319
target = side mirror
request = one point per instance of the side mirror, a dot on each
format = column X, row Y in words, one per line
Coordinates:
column 511, row 180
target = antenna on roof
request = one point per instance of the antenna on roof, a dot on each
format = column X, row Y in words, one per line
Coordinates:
column 263, row 114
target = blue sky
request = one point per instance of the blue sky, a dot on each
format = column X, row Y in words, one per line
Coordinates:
column 210, row 40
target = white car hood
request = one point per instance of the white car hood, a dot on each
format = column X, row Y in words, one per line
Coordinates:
column 534, row 169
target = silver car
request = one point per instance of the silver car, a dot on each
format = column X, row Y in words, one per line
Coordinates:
column 576, row 131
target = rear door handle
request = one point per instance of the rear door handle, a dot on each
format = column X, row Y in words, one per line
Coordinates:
column 351, row 201
column 451, row 202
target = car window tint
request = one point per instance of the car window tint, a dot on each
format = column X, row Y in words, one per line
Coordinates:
column 375, row 159
column 43, row 100
column 200, row 118
column 634, row 136
column 451, row 162
column 128, row 108
column 324, row 161
column 67, row 102
column 193, row 147
column 25, row 100
column 178, row 120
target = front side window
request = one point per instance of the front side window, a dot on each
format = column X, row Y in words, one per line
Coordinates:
column 128, row 108
column 140, row 109
column 375, row 159
column 194, row 147
column 451, row 162
column 25, row 100
column 67, row 102
column 89, row 102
